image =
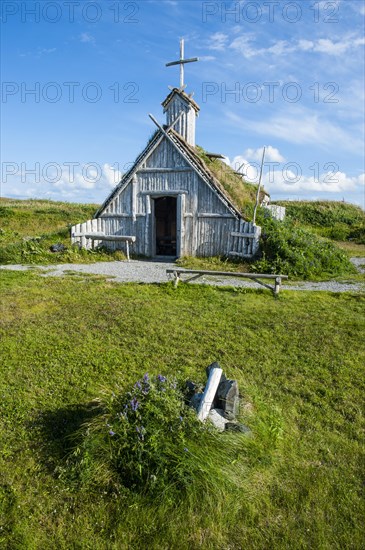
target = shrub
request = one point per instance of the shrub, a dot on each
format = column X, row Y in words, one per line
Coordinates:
column 148, row 441
column 339, row 232
column 357, row 234
column 292, row 250
column 323, row 213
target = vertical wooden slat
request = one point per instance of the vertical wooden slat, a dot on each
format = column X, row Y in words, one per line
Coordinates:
column 147, row 226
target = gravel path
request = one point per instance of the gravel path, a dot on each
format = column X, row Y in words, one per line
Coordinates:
column 155, row 272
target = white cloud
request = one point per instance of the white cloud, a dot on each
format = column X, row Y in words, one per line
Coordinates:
column 325, row 45
column 43, row 51
column 330, row 182
column 305, row 45
column 86, row 37
column 271, row 154
column 244, row 45
column 218, row 41
column 111, row 175
column 249, row 170
column 302, row 126
column 289, row 178
column 62, row 181
column 207, row 58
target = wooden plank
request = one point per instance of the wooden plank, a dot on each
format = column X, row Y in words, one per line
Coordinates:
column 253, row 276
column 163, row 170
column 243, row 235
column 113, row 238
column 114, row 216
column 240, row 254
column 215, row 215
column 134, row 184
column 227, row 273
column 164, row 193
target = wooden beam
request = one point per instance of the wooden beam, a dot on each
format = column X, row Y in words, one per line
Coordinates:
column 163, row 193
column 112, row 238
column 253, row 276
column 243, row 235
column 215, row 215
column 227, row 273
column 163, row 170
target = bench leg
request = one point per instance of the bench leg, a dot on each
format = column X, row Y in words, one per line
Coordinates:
column 277, row 286
column 176, row 279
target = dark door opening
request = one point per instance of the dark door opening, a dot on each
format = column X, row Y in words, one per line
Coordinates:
column 165, row 217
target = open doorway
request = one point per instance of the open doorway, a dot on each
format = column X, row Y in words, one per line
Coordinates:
column 165, row 219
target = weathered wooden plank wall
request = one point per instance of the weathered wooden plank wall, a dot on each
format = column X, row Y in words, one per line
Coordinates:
column 206, row 225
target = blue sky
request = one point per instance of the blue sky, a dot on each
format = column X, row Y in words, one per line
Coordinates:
column 80, row 77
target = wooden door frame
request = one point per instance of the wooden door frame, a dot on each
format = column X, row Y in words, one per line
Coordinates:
column 180, row 208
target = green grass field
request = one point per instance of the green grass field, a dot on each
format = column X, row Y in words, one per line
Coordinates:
column 299, row 361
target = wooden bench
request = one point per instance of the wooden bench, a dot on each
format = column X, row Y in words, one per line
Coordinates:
column 254, row 276
column 112, row 238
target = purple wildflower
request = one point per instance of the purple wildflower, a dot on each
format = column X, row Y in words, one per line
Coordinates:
column 180, row 418
column 186, row 449
column 111, row 433
column 138, row 385
column 146, row 377
column 161, row 378
column 134, row 404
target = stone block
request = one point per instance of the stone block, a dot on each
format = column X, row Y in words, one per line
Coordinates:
column 227, row 398
column 216, row 417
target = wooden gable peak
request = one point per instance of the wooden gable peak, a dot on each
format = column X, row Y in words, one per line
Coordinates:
column 182, row 95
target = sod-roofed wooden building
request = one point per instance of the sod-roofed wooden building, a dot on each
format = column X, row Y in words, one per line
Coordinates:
column 170, row 203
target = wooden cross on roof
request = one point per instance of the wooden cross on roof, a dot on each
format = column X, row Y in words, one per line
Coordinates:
column 182, row 62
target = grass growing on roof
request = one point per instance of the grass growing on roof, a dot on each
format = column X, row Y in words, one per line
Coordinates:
column 299, row 364
column 242, row 193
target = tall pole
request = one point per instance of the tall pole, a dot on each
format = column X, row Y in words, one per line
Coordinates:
column 258, row 188
column 182, row 64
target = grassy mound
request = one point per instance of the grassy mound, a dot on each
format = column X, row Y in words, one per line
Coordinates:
column 147, row 441
column 28, row 229
column 287, row 248
column 336, row 220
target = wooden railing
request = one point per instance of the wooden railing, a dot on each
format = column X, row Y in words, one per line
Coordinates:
column 92, row 233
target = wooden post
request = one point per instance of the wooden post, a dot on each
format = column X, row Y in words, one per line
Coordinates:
column 127, row 248
column 177, row 279
column 209, row 393
column 277, row 286
column 258, row 188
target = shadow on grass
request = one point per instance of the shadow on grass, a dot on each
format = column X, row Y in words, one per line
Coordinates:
column 59, row 432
